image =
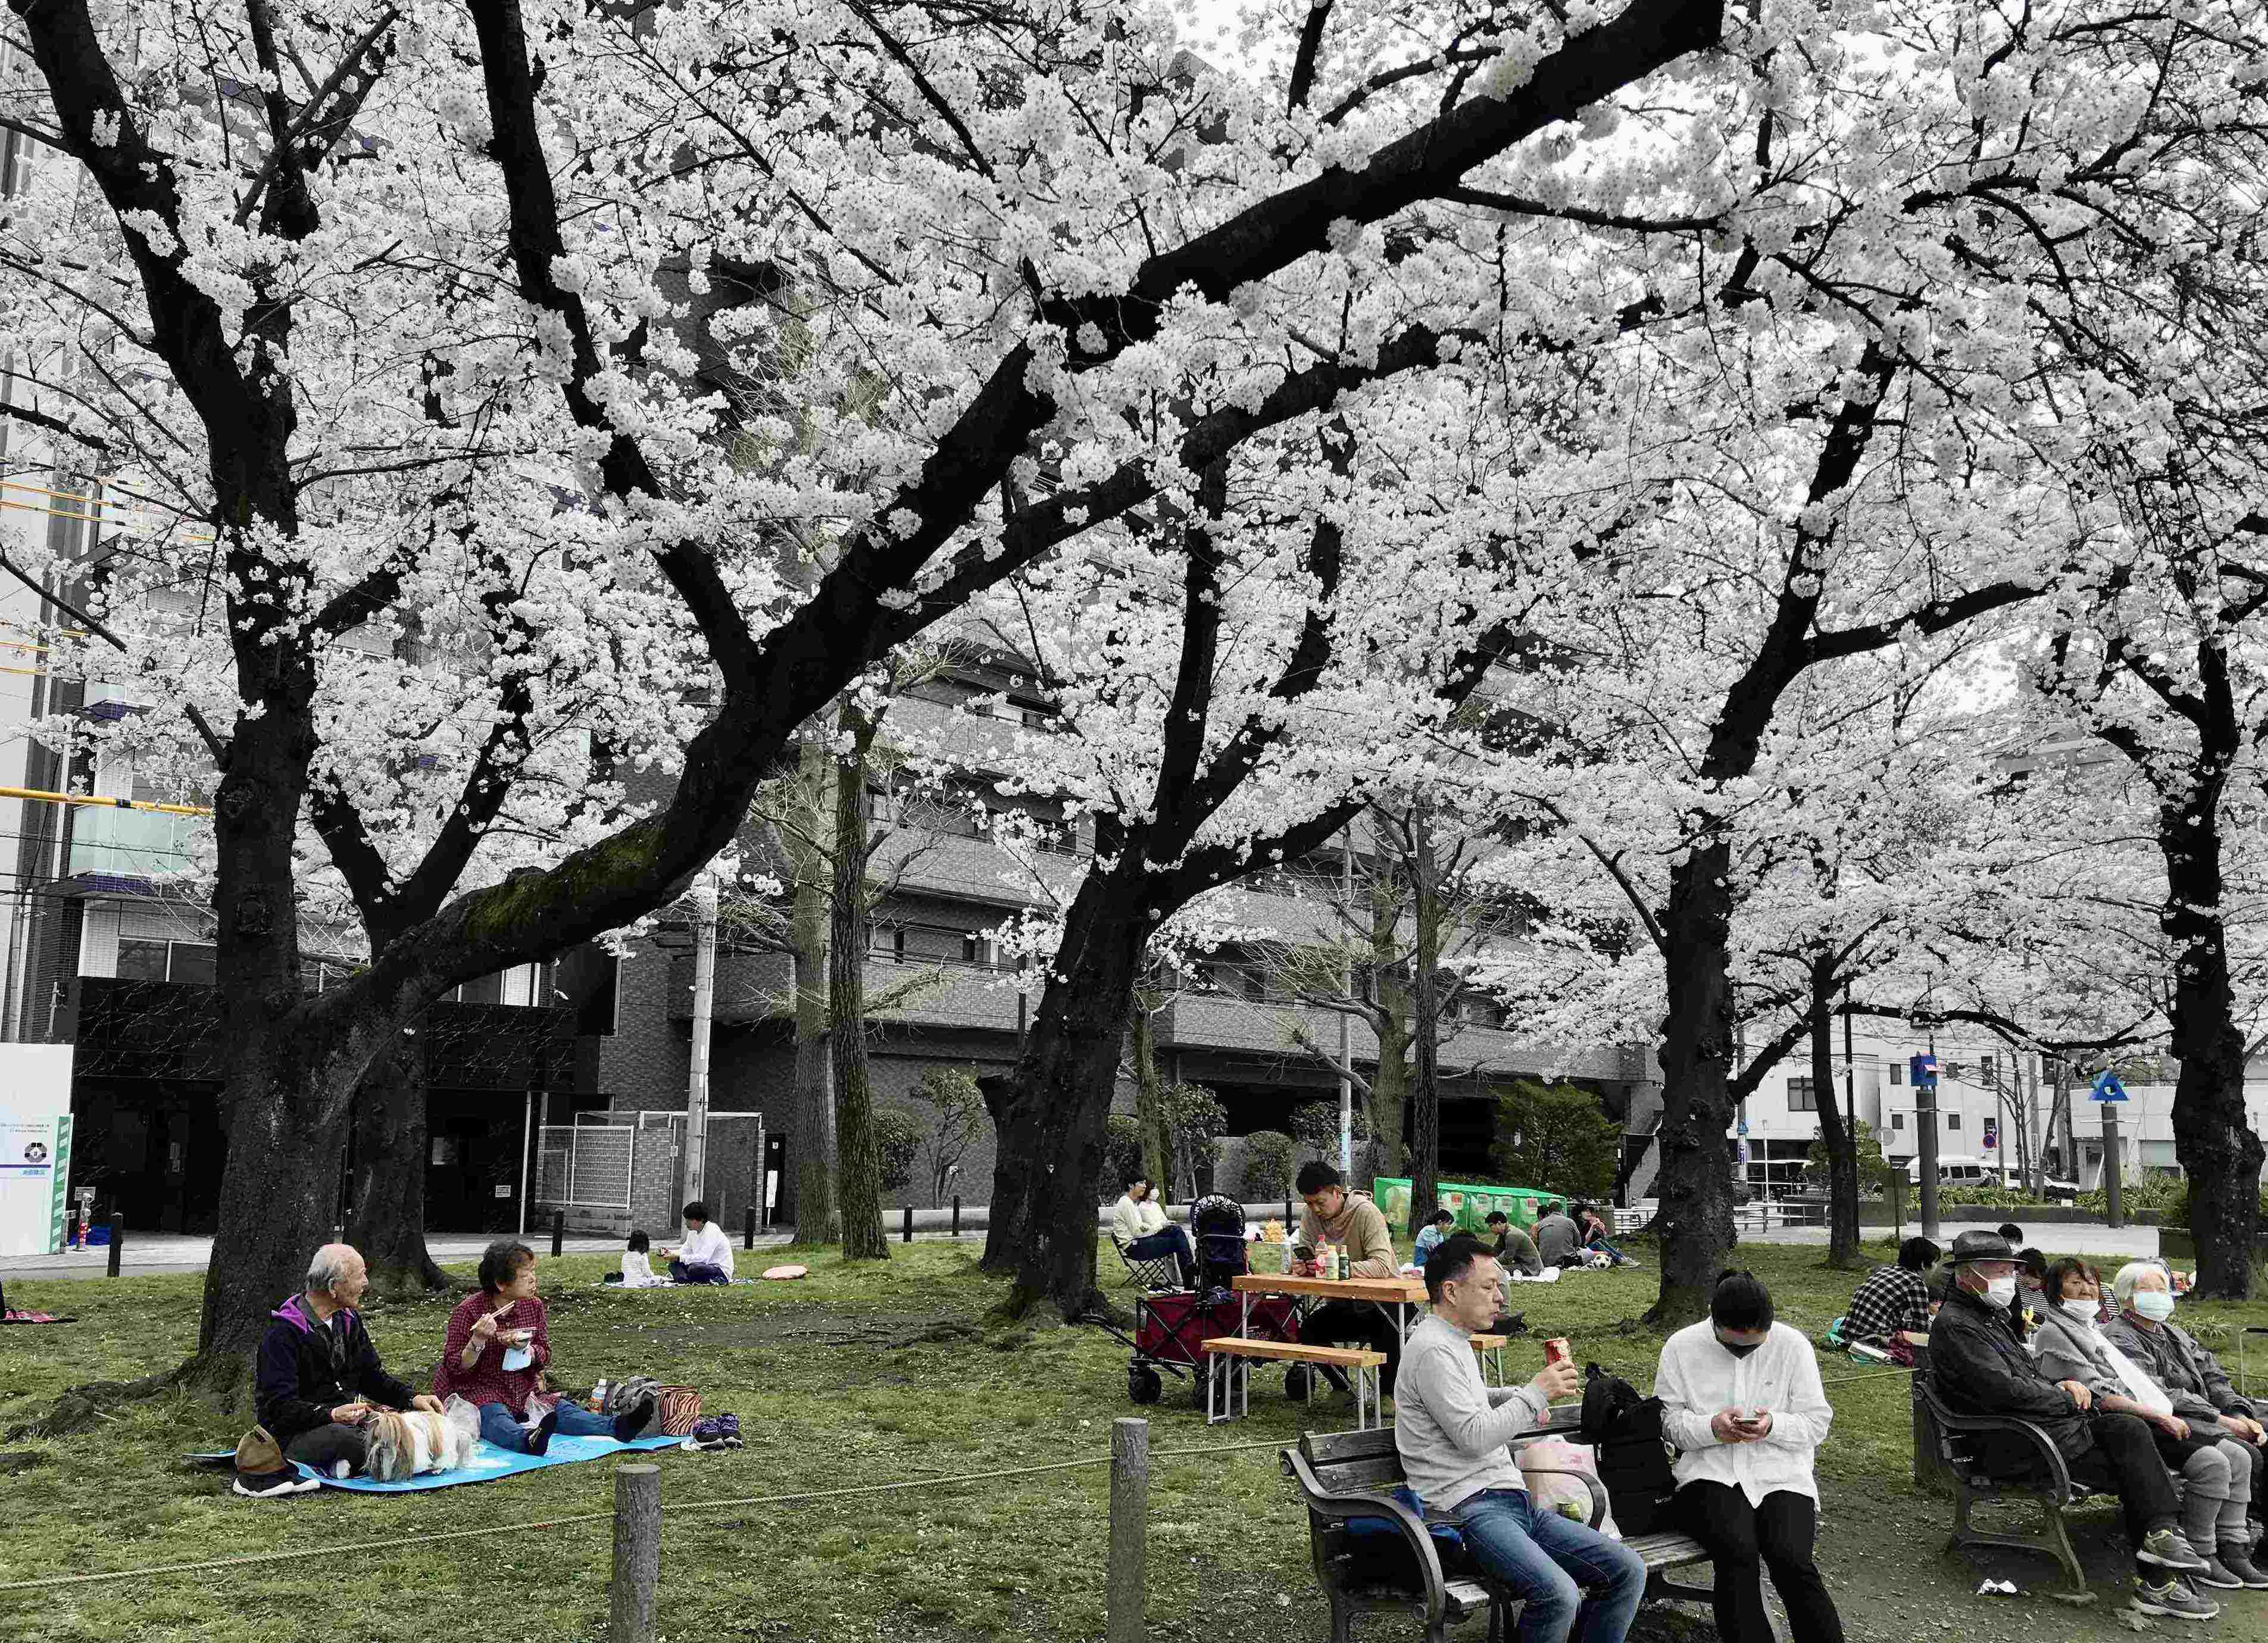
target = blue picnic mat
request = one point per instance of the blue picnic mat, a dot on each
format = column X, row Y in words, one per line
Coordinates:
column 488, row 1463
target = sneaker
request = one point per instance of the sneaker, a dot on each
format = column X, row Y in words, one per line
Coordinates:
column 2174, row 1599
column 2166, row 1548
column 2216, row 1573
column 2236, row 1558
column 538, row 1442
column 271, row 1488
column 728, row 1428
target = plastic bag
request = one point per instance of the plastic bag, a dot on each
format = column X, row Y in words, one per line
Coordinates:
column 1546, row 1466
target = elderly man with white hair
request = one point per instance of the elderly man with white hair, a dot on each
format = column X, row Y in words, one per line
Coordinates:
column 2193, row 1379
column 317, row 1377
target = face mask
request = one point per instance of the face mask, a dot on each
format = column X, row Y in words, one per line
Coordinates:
column 2001, row 1291
column 2083, row 1310
column 1738, row 1350
column 2153, row 1304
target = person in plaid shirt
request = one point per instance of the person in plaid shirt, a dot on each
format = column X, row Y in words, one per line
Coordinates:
column 1893, row 1300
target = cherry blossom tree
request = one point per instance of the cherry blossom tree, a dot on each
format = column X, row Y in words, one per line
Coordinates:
column 375, row 311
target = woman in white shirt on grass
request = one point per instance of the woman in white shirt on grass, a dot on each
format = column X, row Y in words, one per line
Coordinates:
column 1740, row 1398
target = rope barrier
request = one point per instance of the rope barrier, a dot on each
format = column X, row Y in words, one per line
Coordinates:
column 251, row 1559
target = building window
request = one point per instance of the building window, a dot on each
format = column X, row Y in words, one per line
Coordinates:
column 1898, row 1121
column 195, row 962
column 1800, row 1098
column 145, row 958
column 1953, row 1121
column 1897, row 1073
column 141, row 960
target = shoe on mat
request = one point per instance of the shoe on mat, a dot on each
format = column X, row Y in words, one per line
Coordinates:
column 2174, row 1600
column 2169, row 1550
column 2216, row 1573
column 2236, row 1558
column 538, row 1442
column 280, row 1484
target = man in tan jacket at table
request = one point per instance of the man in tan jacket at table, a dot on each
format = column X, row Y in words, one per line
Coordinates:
column 1335, row 1216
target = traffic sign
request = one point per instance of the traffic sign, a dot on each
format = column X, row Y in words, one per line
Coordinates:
column 1924, row 1068
column 1991, row 1134
column 1741, row 1128
column 2107, row 1086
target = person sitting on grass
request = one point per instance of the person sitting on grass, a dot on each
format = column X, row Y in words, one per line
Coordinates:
column 497, row 1346
column 1335, row 1216
column 1594, row 1227
column 1979, row 1366
column 1557, row 1238
column 638, row 1269
column 1450, row 1431
column 1138, row 1226
column 317, row 1377
column 1891, row 1308
column 1430, row 1235
column 1513, row 1250
column 1743, row 1401
column 706, row 1254
column 2216, row 1467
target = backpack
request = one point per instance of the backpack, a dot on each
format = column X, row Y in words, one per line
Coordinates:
column 1625, row 1433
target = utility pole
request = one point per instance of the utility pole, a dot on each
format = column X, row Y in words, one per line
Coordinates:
column 704, row 1009
column 1925, row 1082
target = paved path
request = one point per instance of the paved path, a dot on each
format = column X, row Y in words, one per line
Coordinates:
column 2131, row 1242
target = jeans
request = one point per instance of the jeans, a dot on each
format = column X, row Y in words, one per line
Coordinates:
column 1339, row 1321
column 324, row 1447
column 1601, row 1245
column 2125, row 1460
column 1545, row 1559
column 1744, row 1541
column 1166, row 1241
column 699, row 1273
column 501, row 1427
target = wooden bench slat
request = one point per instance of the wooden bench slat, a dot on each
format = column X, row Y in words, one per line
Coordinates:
column 1326, row 1449
column 1354, row 1477
column 1295, row 1352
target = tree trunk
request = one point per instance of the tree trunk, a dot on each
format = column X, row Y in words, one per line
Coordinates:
column 386, row 1217
column 1695, row 1178
column 1837, row 1129
column 2217, row 1148
column 1149, row 1095
column 818, row 1219
column 1390, row 1089
column 860, row 1164
column 1425, row 1110
column 1050, row 1114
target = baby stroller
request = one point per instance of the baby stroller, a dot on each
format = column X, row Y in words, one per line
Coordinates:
column 1170, row 1330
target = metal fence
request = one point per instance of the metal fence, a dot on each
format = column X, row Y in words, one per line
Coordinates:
column 585, row 1165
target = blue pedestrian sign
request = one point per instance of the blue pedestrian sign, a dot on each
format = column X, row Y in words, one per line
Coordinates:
column 2107, row 1086
column 1741, row 1128
column 1924, row 1068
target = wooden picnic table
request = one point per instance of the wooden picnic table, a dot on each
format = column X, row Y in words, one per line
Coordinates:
column 1393, row 1296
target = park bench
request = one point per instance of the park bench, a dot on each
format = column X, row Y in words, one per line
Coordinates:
column 1232, row 1389
column 1350, row 1475
column 1946, row 1460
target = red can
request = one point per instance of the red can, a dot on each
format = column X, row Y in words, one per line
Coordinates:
column 1557, row 1351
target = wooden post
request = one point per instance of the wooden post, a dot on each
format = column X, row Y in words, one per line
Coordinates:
column 117, row 1241
column 558, row 1231
column 906, row 1236
column 1129, row 1508
column 637, row 1552
column 956, row 1215
column 749, row 1233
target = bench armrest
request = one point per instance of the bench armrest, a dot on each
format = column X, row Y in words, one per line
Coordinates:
column 1339, row 1509
column 1592, row 1487
column 2059, row 1469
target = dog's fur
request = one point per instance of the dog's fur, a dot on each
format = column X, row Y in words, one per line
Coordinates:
column 418, row 1441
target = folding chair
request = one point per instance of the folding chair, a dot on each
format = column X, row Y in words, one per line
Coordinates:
column 1152, row 1275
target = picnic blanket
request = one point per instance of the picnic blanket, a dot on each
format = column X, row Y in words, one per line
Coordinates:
column 641, row 1289
column 488, row 1463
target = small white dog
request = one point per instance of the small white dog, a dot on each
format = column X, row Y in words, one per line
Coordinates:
column 418, row 1441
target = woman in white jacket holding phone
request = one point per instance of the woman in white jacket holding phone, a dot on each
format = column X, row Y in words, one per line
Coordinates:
column 1740, row 1398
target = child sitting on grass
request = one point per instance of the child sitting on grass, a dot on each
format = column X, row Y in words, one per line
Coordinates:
column 636, row 1272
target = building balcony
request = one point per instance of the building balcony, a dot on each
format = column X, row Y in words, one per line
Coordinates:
column 757, row 987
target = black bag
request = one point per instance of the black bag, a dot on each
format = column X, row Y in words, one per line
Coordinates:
column 1633, row 1459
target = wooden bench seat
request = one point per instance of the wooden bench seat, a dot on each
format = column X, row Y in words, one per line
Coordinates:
column 1231, row 1389
column 1346, row 1475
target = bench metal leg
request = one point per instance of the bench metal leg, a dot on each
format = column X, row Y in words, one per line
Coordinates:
column 2054, row 1539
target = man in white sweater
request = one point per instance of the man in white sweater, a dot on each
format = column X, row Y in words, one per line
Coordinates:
column 706, row 1254
column 1451, row 1430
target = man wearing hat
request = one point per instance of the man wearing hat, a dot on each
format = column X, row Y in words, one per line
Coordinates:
column 1978, row 1366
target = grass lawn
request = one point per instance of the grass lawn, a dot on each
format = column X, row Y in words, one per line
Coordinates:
column 867, row 1374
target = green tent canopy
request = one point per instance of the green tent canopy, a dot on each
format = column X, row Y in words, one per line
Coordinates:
column 1471, row 1204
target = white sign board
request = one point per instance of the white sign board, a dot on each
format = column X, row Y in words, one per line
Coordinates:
column 35, row 1135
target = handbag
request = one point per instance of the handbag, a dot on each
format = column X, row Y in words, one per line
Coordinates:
column 680, row 1409
column 1624, row 1430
